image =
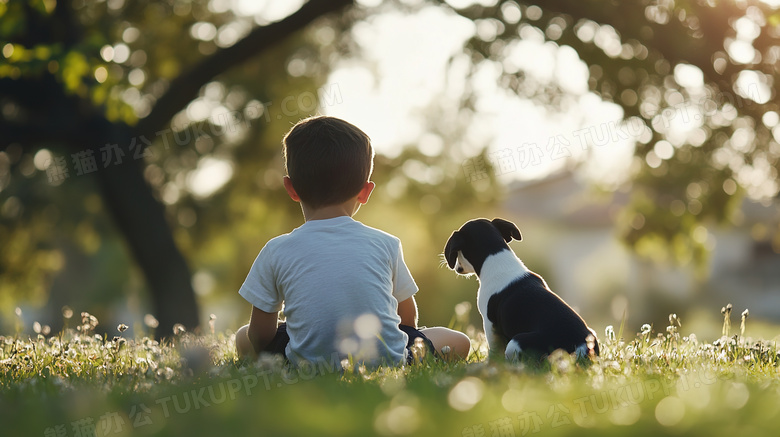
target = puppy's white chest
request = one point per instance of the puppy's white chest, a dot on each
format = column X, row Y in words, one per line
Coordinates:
column 498, row 271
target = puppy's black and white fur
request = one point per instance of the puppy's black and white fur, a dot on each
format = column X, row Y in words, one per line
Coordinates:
column 518, row 309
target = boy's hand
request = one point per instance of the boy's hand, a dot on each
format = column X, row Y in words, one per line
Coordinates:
column 408, row 312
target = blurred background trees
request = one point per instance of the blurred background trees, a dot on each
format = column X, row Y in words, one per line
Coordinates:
column 140, row 166
column 696, row 80
column 91, row 91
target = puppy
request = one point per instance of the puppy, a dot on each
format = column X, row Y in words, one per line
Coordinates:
column 519, row 311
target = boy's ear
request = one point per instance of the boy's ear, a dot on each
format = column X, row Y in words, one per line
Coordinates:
column 508, row 229
column 452, row 248
column 290, row 190
column 365, row 193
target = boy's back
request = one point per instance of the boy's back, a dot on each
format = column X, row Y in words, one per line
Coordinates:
column 328, row 273
column 344, row 286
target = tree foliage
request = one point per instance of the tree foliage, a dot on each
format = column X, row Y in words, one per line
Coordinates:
column 90, row 93
column 705, row 141
column 182, row 106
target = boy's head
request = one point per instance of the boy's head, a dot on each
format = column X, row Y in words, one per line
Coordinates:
column 327, row 159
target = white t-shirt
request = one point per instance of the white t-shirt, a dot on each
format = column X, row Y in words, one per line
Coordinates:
column 340, row 282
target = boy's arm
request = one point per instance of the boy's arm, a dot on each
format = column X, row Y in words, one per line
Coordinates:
column 262, row 329
column 407, row 309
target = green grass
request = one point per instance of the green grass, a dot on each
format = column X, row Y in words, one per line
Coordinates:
column 79, row 384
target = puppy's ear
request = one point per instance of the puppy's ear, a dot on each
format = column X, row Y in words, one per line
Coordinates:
column 508, row 229
column 454, row 244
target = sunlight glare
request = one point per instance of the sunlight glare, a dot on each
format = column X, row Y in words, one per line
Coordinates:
column 367, row 326
column 460, row 4
column 381, row 93
column 741, row 52
column 688, row 76
column 394, row 103
column 753, row 85
column 670, row 411
column 747, row 29
column 465, row 394
column 570, row 72
column 209, row 176
column 268, row 10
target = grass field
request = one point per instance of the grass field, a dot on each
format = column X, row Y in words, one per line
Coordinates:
column 76, row 383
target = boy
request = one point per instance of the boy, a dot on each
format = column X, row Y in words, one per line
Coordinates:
column 346, row 289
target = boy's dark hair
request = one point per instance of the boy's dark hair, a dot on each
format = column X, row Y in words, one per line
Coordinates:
column 327, row 159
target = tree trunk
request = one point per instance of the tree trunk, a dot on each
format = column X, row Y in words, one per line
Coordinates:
column 141, row 220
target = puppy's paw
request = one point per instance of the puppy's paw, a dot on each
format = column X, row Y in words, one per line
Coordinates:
column 513, row 351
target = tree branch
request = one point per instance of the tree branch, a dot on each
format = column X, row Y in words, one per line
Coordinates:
column 185, row 87
column 28, row 135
